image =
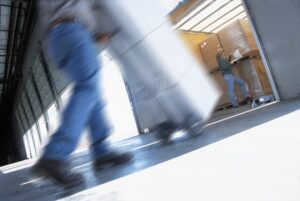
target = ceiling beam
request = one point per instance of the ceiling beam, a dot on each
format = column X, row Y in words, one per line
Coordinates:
column 181, row 11
column 205, row 18
column 228, row 12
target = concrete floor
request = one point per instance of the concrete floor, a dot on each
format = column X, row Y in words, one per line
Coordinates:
column 251, row 156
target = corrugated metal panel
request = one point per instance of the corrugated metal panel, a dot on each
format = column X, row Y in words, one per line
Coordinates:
column 22, row 117
column 33, row 99
column 42, row 83
column 27, row 109
column 17, row 123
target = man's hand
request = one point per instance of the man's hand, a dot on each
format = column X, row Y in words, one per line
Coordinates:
column 103, row 37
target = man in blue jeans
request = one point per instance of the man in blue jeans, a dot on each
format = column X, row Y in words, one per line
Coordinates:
column 71, row 33
column 230, row 79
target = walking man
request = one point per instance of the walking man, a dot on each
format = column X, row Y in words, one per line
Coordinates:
column 71, row 35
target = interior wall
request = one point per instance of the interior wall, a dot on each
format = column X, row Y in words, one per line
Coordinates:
column 278, row 25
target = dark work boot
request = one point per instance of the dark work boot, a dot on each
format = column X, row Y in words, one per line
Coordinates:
column 196, row 129
column 164, row 131
column 248, row 100
column 111, row 158
column 59, row 171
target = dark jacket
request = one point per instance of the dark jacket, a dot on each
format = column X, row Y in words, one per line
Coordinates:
column 224, row 65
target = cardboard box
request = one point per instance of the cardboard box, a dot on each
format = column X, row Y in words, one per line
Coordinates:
column 253, row 54
column 209, row 51
column 262, row 76
column 192, row 41
column 237, row 35
column 245, row 69
column 164, row 73
column 253, row 72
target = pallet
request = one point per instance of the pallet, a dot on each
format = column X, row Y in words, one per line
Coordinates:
column 228, row 106
column 223, row 107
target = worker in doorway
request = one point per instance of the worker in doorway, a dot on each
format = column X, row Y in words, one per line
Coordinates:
column 71, row 35
column 231, row 80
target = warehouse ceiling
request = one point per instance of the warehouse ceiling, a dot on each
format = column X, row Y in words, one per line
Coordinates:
column 15, row 20
column 211, row 16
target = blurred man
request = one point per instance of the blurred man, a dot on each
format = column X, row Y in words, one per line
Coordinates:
column 71, row 34
column 231, row 80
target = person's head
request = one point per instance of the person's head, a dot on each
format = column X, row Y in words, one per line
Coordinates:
column 220, row 51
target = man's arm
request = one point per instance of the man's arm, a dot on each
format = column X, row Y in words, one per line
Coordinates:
column 222, row 66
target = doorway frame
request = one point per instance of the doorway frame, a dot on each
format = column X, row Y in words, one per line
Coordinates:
column 261, row 49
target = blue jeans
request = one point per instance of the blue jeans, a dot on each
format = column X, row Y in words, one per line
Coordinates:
column 231, row 80
column 72, row 49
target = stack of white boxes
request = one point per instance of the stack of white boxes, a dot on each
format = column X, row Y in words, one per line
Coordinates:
column 164, row 80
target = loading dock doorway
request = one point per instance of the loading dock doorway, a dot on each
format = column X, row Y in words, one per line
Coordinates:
column 209, row 24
